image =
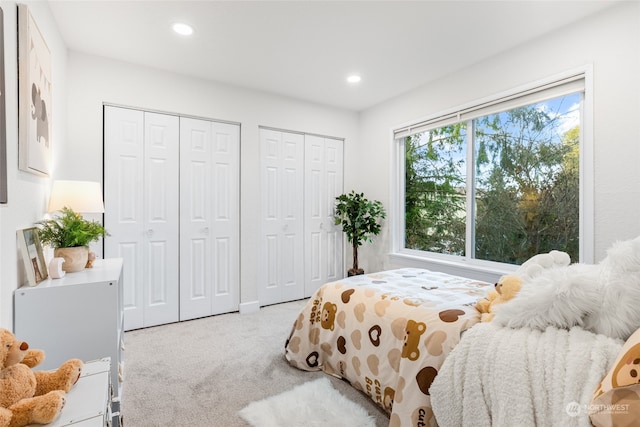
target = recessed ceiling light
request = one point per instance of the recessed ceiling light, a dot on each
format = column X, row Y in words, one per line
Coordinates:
column 182, row 29
column 353, row 79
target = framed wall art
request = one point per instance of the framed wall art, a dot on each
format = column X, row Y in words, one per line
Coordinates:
column 32, row 255
column 3, row 119
column 34, row 80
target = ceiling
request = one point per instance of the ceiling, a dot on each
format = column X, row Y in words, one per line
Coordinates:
column 306, row 49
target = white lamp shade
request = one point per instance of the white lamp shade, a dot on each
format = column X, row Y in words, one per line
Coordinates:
column 79, row 196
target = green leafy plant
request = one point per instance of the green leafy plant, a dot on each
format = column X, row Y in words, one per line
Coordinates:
column 69, row 230
column 359, row 219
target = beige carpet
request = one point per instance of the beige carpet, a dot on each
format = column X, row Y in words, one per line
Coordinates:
column 202, row 372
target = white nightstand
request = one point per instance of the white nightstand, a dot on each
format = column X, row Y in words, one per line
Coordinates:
column 78, row 316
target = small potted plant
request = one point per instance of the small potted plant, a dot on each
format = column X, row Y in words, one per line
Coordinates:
column 359, row 219
column 70, row 234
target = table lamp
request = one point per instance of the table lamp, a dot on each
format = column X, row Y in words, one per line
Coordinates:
column 79, row 196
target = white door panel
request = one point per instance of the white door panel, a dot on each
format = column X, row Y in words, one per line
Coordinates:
column 209, row 282
column 226, row 218
column 195, row 193
column 124, row 218
column 282, row 246
column 335, row 187
column 161, row 218
column 315, row 201
column 323, row 183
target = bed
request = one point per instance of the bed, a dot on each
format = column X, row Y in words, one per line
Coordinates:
column 387, row 334
column 394, row 335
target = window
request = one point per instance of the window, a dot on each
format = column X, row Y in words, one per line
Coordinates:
column 497, row 181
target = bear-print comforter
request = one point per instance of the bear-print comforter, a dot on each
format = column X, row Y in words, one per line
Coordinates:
column 386, row 333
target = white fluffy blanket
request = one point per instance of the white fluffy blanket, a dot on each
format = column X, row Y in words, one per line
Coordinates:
column 521, row 377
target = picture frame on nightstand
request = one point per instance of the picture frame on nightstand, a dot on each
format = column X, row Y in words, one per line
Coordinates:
column 32, row 255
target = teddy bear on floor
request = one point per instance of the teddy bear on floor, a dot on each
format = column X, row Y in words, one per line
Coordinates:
column 27, row 396
column 602, row 298
column 505, row 290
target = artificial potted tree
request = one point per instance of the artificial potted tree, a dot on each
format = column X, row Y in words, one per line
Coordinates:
column 359, row 219
column 70, row 234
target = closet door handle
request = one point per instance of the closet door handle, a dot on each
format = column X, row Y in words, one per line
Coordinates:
column 150, row 232
column 205, row 231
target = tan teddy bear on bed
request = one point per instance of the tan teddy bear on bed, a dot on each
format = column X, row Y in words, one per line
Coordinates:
column 506, row 288
column 509, row 285
column 27, row 396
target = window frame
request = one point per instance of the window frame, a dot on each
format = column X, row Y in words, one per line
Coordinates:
column 465, row 265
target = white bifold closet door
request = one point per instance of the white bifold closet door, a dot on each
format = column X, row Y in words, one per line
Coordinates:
column 141, row 211
column 172, row 209
column 281, row 276
column 324, row 240
column 209, row 218
column 301, row 249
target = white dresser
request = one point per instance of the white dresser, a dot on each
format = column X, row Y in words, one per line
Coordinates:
column 78, row 316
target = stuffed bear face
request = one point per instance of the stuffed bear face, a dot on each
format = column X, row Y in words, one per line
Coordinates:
column 12, row 351
column 328, row 316
column 508, row 286
column 412, row 334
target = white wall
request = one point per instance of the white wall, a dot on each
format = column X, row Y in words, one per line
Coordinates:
column 93, row 80
column 28, row 193
column 610, row 41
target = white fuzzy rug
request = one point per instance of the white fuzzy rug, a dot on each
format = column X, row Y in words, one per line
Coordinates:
column 315, row 403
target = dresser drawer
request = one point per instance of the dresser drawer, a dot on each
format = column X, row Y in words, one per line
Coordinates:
column 88, row 402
